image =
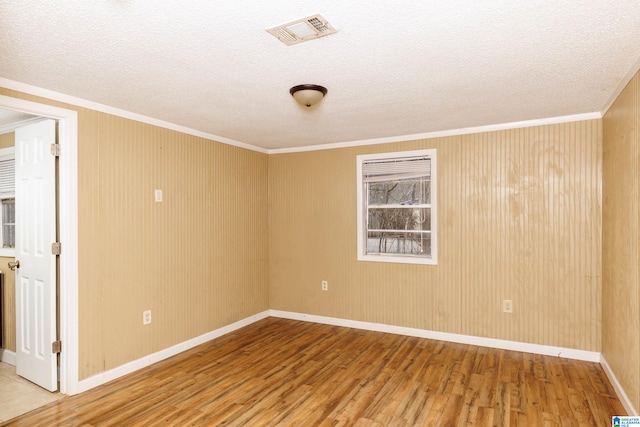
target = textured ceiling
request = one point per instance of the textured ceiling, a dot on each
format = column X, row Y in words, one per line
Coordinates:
column 392, row 69
column 10, row 119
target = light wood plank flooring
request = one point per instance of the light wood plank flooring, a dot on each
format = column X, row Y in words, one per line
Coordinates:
column 279, row 372
column 19, row 396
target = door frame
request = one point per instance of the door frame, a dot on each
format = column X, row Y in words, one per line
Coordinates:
column 68, row 220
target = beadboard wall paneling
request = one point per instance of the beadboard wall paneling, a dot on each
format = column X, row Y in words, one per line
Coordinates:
column 7, row 140
column 519, row 217
column 8, row 306
column 621, row 237
column 198, row 260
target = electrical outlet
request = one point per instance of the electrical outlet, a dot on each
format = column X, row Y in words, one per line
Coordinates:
column 325, row 285
column 158, row 195
column 507, row 306
column 146, row 317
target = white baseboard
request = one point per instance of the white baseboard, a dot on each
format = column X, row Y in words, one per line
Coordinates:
column 590, row 356
column 7, row 356
column 624, row 399
column 547, row 350
column 143, row 362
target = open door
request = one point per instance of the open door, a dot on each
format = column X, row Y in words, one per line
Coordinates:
column 35, row 265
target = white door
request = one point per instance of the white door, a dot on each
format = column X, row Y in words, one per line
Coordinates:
column 36, row 275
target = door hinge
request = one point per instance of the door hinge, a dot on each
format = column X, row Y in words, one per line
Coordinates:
column 55, row 150
column 56, row 248
column 56, row 347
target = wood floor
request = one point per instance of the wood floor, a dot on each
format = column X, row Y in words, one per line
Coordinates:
column 280, row 372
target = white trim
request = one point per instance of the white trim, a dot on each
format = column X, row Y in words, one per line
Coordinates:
column 68, row 202
column 624, row 399
column 8, row 152
column 547, row 350
column 57, row 96
column 431, row 153
column 621, row 85
column 104, row 377
column 7, row 356
column 145, row 361
column 8, row 252
column 15, row 125
column 439, row 134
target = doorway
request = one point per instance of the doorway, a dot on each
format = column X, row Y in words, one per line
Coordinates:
column 20, row 396
column 68, row 211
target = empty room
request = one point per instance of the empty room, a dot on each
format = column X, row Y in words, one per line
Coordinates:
column 319, row 213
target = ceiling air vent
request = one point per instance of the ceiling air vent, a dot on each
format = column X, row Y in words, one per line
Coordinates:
column 302, row 30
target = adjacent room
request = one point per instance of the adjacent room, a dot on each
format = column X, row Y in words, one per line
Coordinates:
column 309, row 213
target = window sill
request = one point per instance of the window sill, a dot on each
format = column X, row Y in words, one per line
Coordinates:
column 398, row 259
column 8, row 252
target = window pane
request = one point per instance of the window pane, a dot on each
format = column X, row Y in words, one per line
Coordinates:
column 8, row 223
column 9, row 211
column 411, row 191
column 8, row 236
column 418, row 219
column 398, row 242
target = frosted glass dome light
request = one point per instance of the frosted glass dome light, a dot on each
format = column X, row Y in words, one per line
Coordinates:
column 308, row 95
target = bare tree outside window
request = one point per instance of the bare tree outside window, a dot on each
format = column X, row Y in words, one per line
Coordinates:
column 398, row 222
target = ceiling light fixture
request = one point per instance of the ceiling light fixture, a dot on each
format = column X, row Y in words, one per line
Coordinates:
column 308, row 95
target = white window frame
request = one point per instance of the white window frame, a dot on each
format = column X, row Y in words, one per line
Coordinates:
column 362, row 209
column 6, row 154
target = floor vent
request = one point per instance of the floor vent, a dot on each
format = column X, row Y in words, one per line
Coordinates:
column 302, row 30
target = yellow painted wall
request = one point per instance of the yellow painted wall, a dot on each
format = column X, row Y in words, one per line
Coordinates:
column 198, row 260
column 519, row 217
column 621, row 240
column 7, row 140
column 8, row 306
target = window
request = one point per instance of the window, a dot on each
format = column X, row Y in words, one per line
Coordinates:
column 8, row 223
column 397, row 207
column 7, row 201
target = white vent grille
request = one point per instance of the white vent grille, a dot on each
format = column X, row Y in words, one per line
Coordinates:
column 302, row 30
